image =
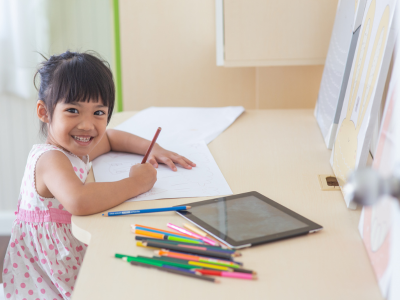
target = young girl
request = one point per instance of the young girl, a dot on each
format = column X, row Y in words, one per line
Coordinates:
column 76, row 100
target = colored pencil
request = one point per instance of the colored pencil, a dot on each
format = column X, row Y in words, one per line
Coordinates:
column 144, row 211
column 167, row 237
column 180, row 263
column 180, row 269
column 231, row 260
column 170, row 270
column 151, row 145
column 203, row 259
column 213, row 248
column 226, row 274
column 162, row 232
column 186, row 246
column 194, row 235
column 135, row 259
column 129, row 258
column 164, row 262
column 203, row 234
column 134, row 226
column 162, row 235
column 205, row 265
column 192, row 263
column 154, row 262
column 195, row 229
column 213, row 258
column 189, row 249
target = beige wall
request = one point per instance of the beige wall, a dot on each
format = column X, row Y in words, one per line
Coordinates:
column 288, row 87
column 168, row 59
column 277, row 32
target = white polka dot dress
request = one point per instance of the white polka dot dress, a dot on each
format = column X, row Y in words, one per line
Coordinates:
column 43, row 257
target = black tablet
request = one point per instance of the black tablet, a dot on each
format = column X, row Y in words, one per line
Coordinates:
column 247, row 219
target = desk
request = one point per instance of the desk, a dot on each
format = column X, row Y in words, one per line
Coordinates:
column 278, row 153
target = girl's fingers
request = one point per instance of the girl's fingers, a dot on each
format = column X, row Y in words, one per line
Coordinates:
column 169, row 163
column 189, row 161
column 170, row 159
column 181, row 160
column 152, row 160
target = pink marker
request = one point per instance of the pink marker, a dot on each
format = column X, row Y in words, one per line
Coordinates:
column 192, row 234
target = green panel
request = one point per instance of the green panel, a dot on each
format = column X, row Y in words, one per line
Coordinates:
column 117, row 51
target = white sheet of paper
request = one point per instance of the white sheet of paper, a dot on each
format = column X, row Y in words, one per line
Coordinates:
column 181, row 125
column 203, row 180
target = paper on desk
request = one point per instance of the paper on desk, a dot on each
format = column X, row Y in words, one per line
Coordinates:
column 203, row 180
column 181, row 125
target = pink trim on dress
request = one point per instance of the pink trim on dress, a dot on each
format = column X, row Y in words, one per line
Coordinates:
column 50, row 215
column 60, row 216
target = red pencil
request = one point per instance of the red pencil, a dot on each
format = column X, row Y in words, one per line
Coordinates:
column 225, row 274
column 151, row 145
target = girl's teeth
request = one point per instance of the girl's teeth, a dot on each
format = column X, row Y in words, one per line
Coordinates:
column 82, row 139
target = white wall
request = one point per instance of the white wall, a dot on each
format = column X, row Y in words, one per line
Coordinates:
column 19, row 129
column 75, row 25
column 81, row 25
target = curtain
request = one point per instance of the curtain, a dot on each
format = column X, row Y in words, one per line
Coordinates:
column 24, row 31
column 26, row 28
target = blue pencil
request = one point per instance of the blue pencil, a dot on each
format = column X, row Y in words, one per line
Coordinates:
column 144, row 211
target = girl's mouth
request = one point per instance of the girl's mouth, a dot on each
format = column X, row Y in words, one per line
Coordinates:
column 82, row 140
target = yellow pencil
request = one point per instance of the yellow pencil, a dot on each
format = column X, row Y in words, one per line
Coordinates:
column 195, row 229
column 210, row 266
column 204, row 234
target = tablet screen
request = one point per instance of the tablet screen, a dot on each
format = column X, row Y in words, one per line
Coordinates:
column 246, row 218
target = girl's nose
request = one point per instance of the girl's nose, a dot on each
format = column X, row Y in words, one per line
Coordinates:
column 85, row 125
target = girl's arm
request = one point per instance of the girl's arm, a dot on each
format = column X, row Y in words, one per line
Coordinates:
column 61, row 182
column 121, row 141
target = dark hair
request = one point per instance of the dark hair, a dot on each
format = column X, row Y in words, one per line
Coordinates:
column 75, row 77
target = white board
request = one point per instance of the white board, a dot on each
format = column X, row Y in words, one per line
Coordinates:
column 335, row 76
column 364, row 90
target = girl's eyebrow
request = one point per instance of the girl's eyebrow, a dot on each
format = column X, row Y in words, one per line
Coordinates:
column 74, row 103
column 78, row 104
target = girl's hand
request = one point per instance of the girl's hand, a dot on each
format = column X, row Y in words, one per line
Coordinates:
column 160, row 155
column 145, row 176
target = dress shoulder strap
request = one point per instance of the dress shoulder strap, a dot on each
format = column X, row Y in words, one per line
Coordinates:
column 80, row 168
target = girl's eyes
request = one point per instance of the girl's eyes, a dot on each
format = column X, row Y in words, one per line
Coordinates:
column 96, row 113
column 99, row 113
column 72, row 110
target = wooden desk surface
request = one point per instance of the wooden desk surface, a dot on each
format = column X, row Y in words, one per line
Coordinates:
column 278, row 153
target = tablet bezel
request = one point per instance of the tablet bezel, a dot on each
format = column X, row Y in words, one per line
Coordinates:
column 311, row 226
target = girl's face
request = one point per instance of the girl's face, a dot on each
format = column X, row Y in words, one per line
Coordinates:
column 78, row 127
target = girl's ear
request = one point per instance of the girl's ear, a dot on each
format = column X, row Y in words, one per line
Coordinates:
column 41, row 111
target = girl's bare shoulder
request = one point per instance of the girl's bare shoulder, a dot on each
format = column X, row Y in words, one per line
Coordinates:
column 50, row 166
